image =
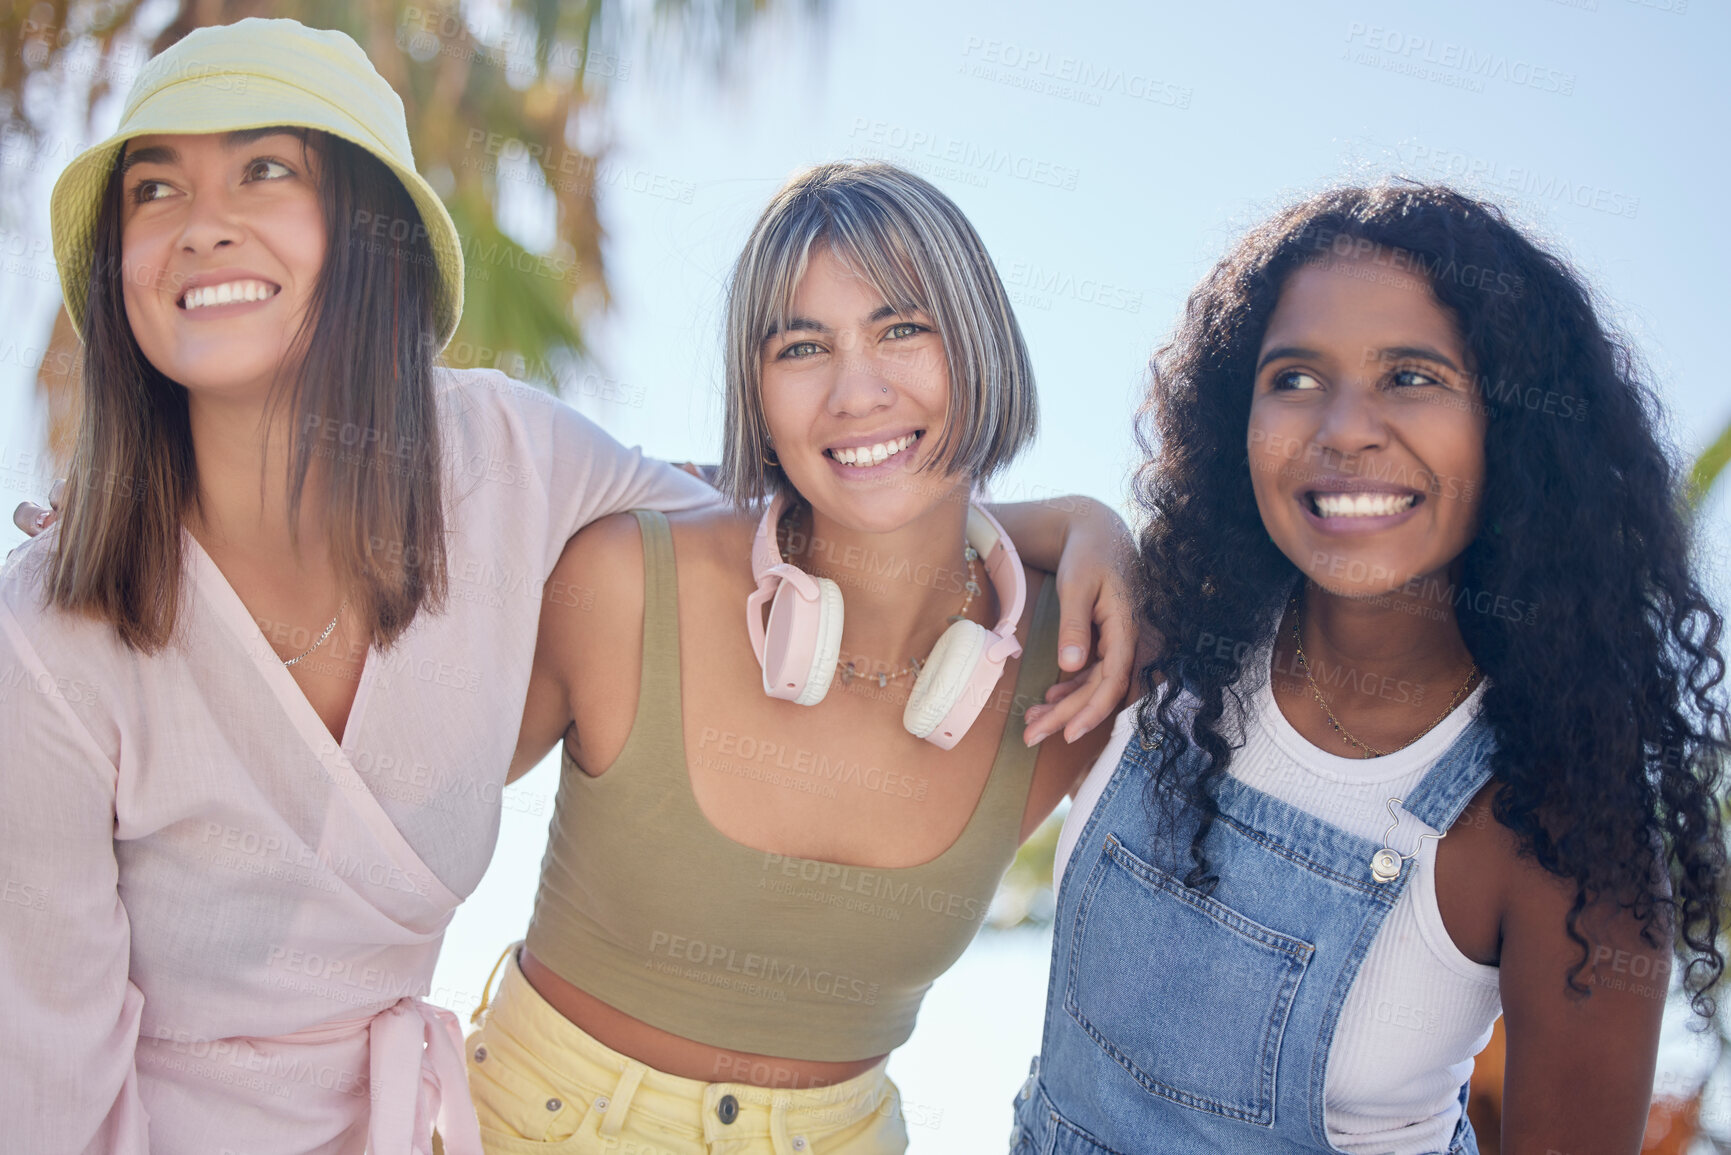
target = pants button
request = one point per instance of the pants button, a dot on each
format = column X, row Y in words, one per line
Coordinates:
column 728, row 1109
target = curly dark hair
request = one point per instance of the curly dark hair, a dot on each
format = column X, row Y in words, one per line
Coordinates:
column 1605, row 698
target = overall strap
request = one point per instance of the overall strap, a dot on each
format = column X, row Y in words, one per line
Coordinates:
column 1458, row 774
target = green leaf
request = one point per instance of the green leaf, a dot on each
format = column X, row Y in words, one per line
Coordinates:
column 516, row 302
column 1709, row 466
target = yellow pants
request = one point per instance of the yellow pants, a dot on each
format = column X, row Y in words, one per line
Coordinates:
column 541, row 1085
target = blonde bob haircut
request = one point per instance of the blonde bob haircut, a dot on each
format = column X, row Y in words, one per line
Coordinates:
column 915, row 247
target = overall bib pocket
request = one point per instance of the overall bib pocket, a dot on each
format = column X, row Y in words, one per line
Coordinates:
column 1186, row 994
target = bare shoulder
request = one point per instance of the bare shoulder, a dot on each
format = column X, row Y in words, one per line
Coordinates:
column 714, row 540
column 1489, row 855
column 1478, row 866
column 1490, row 841
column 1537, row 904
column 591, row 636
column 592, row 615
column 1510, row 911
column 601, row 565
column 593, row 601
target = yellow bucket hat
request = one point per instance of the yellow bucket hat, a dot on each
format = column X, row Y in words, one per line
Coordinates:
column 254, row 74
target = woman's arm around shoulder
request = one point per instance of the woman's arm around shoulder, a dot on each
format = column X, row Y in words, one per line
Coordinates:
column 1060, row 764
column 1088, row 548
column 512, row 438
column 1058, row 774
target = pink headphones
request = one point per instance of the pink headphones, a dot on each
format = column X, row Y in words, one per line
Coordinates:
column 799, row 647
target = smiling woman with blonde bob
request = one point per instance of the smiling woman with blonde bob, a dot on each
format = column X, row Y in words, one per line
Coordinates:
column 772, row 835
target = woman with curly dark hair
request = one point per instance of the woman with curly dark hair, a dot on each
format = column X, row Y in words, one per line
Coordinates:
column 1433, row 724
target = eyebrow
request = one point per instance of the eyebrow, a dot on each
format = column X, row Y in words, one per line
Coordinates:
column 1282, row 351
column 1391, row 353
column 807, row 325
column 1417, row 352
column 155, row 154
column 164, row 154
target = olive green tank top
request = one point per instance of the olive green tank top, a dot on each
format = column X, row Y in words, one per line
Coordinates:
column 648, row 907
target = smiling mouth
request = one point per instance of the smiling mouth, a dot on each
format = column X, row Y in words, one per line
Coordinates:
column 865, row 456
column 1360, row 504
column 228, row 293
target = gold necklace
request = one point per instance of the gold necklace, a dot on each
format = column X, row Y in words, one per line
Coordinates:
column 848, row 670
column 1369, row 750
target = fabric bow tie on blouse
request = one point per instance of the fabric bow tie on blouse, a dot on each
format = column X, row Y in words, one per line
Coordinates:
column 415, row 1076
column 411, row 1034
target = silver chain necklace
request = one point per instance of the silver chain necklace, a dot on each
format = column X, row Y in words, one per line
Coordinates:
column 307, row 653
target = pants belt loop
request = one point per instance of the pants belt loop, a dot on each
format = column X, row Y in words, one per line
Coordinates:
column 619, row 1103
column 487, row 989
column 778, row 1136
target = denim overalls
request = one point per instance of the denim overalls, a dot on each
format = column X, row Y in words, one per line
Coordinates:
column 1193, row 1024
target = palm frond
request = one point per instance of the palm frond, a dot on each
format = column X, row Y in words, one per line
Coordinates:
column 1709, row 466
column 493, row 112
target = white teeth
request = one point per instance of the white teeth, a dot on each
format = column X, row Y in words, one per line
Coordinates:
column 228, row 292
column 1362, row 504
column 865, row 455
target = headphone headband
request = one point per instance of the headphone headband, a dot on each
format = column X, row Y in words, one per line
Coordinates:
column 997, row 553
column 1004, row 567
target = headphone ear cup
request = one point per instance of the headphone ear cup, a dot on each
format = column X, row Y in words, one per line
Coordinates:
column 825, row 653
column 801, row 641
column 944, row 677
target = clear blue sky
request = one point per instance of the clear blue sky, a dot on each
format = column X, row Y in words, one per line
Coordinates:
column 1109, row 152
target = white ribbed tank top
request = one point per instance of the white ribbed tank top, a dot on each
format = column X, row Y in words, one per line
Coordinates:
column 1419, row 1010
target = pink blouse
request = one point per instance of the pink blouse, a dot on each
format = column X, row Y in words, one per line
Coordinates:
column 217, row 922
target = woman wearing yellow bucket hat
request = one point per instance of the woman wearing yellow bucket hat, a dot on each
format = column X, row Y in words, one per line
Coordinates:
column 261, row 684
column 258, row 716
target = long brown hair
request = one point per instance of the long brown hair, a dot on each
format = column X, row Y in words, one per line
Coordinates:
column 361, row 402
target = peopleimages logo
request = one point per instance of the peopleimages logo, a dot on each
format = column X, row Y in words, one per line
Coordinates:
column 817, row 765
column 1446, row 62
column 1066, row 77
column 1520, row 180
column 1044, row 283
column 956, row 158
column 779, row 974
column 878, row 885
